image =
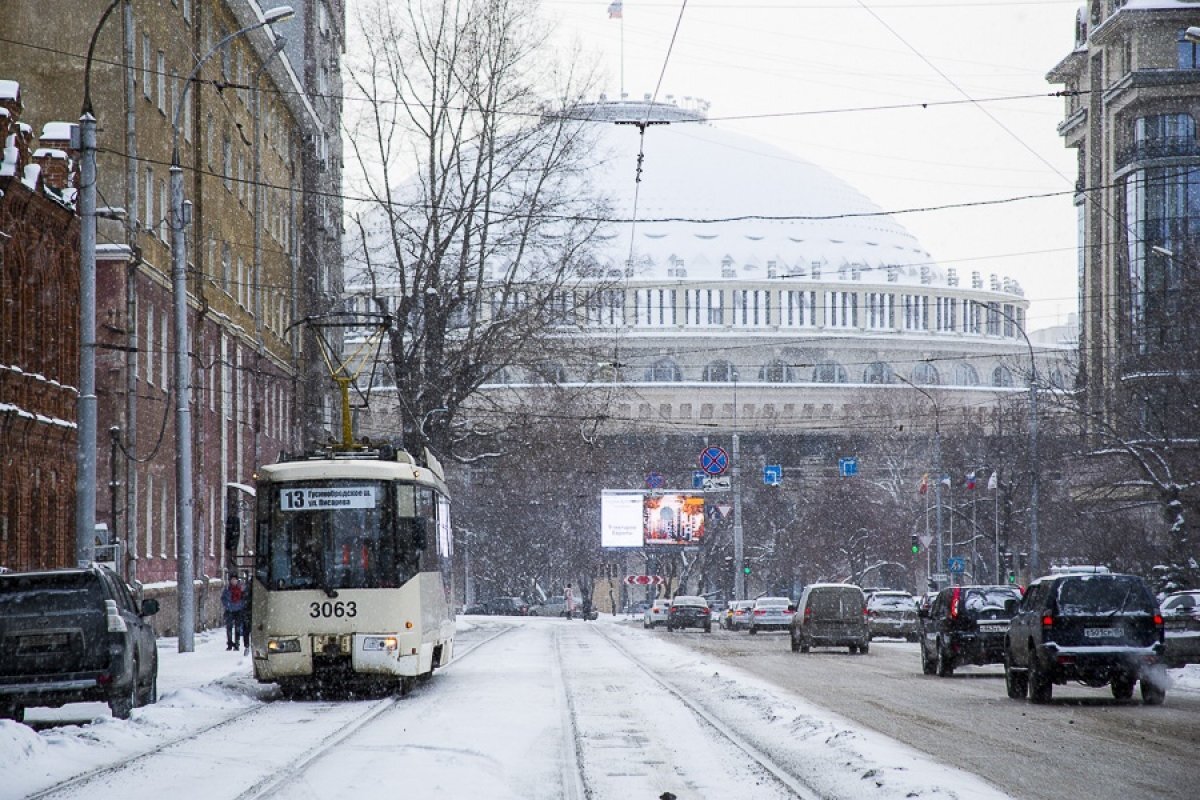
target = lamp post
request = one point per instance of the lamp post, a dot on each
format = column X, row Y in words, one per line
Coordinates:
column 184, row 572
column 937, row 466
column 1034, row 466
column 85, row 452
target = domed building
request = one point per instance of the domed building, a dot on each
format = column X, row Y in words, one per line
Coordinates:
column 752, row 289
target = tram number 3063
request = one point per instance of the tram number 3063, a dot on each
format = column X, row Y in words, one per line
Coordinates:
column 338, row 609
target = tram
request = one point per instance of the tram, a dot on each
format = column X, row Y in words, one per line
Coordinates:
column 352, row 571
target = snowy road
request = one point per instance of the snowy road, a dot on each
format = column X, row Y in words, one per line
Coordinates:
column 533, row 708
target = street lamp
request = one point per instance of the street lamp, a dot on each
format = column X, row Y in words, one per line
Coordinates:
column 937, row 466
column 184, row 572
column 85, row 446
column 1034, row 466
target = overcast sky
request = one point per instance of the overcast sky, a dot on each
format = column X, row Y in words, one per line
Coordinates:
column 813, row 76
column 816, row 72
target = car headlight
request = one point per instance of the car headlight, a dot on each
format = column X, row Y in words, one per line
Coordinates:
column 276, row 646
column 380, row 643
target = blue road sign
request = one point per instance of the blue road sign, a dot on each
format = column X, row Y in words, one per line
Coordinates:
column 714, row 460
column 956, row 565
column 848, row 466
column 773, row 474
column 698, row 476
column 655, row 480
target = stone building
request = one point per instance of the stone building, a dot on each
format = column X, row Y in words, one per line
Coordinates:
column 249, row 131
column 39, row 347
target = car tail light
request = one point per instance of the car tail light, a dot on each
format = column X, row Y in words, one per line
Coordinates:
column 1158, row 620
column 671, row 609
column 808, row 612
column 116, row 624
column 955, row 596
column 1066, row 660
column 705, row 611
column 1047, row 621
column 758, row 612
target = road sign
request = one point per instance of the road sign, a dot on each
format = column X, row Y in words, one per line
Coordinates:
column 926, row 540
column 956, row 565
column 773, row 474
column 655, row 480
column 848, row 466
column 940, row 577
column 698, row 477
column 714, row 460
column 717, row 484
column 724, row 508
column 644, row 580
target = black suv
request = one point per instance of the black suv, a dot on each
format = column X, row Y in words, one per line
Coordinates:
column 1094, row 628
column 74, row 635
column 965, row 625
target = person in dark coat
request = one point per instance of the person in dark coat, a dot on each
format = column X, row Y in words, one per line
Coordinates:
column 233, row 601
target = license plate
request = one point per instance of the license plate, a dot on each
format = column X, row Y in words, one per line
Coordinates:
column 1101, row 633
column 43, row 643
column 993, row 628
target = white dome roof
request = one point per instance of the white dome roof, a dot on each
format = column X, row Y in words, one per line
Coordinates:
column 694, row 171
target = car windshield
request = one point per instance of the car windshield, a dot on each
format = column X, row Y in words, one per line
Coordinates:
column 691, row 601
column 774, row 602
column 1104, row 595
column 44, row 593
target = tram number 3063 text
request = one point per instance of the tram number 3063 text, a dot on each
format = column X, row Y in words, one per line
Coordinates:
column 338, row 609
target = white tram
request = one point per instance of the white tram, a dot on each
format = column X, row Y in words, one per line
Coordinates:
column 352, row 572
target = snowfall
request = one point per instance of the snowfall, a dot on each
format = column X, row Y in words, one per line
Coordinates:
column 502, row 722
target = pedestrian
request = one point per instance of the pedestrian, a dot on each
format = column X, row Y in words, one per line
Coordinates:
column 569, row 600
column 233, row 601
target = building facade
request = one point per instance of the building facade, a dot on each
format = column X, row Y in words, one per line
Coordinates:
column 246, row 131
column 1132, row 83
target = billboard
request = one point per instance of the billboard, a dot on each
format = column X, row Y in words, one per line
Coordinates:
column 673, row 519
column 620, row 519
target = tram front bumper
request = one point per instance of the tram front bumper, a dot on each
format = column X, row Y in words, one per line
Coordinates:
column 284, row 656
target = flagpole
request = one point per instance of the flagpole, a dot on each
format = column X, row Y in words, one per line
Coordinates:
column 623, row 58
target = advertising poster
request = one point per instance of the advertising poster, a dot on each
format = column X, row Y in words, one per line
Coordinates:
column 621, row 519
column 673, row 519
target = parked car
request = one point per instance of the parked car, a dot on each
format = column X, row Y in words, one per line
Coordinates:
column 966, row 625
column 656, row 614
column 891, row 613
column 75, row 635
column 475, row 608
column 637, row 609
column 1097, row 629
column 771, row 614
column 554, row 606
column 689, row 611
column 1181, row 622
column 831, row 615
column 507, row 606
column 737, row 615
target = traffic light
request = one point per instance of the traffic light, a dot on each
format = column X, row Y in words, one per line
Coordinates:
column 746, row 570
column 916, row 544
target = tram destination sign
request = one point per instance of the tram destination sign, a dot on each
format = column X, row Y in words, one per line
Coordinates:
column 326, row 498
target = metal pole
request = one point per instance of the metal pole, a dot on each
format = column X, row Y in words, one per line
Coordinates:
column 184, row 568
column 85, row 455
column 739, row 554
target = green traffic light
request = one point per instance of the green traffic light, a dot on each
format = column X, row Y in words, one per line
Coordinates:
column 916, row 548
column 746, row 570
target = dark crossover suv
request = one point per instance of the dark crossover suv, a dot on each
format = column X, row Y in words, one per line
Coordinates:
column 965, row 625
column 74, row 635
column 1096, row 628
column 688, row 611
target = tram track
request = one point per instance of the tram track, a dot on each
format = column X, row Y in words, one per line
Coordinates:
column 769, row 768
column 78, row 785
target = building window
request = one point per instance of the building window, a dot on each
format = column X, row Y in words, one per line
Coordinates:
column 665, row 370
column 704, row 307
column 752, row 307
column 1002, row 376
column 799, row 309
column 149, row 220
column 147, row 68
column 877, row 372
column 226, row 266
column 719, row 372
column 1189, row 55
column 916, row 312
column 947, row 313
column 776, row 372
column 841, row 309
column 161, row 65
column 881, row 311
column 926, row 374
column 654, row 308
column 227, row 162
column 965, row 375
column 829, row 372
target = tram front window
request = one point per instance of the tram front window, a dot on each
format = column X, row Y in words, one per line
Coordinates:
column 355, row 545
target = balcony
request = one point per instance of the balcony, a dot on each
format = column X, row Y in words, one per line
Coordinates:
column 1160, row 148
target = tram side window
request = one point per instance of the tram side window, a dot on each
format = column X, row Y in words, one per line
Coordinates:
column 416, row 508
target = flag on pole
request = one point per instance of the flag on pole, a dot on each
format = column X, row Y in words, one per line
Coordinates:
column 970, row 481
column 614, row 9
column 924, row 487
column 993, row 481
column 946, row 481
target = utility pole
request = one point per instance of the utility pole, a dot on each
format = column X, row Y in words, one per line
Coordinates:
column 739, row 553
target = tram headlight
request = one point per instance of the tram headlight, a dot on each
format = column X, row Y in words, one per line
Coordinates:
column 276, row 646
column 380, row 643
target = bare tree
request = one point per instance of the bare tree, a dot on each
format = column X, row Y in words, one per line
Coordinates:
column 474, row 235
